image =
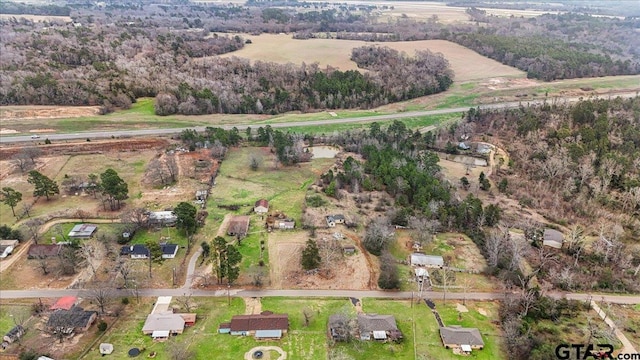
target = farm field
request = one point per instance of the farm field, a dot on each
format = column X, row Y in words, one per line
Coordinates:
column 282, row 48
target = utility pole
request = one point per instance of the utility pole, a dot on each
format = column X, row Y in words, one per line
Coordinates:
column 229, row 294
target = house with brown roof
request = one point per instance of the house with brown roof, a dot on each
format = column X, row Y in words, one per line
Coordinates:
column 266, row 325
column 261, row 206
column 238, row 226
column 457, row 337
column 378, row 327
column 39, row 251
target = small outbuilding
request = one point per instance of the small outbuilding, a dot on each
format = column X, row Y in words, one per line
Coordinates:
column 169, row 251
column 6, row 247
column 14, row 334
column 552, row 238
column 261, row 206
column 82, row 231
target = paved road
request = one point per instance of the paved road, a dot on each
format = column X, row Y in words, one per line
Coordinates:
column 18, row 294
column 401, row 115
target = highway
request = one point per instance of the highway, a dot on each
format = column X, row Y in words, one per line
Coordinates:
column 362, row 119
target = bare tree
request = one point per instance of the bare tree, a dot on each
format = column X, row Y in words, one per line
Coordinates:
column 33, row 226
column 102, row 294
column 172, row 167
column 423, row 229
column 330, row 252
column 43, row 264
column 156, row 172
column 124, row 269
column 307, row 314
column 494, row 244
column 32, row 153
column 26, row 209
column 69, row 259
column 179, row 350
column 255, row 160
column 89, row 254
column 21, row 160
column 136, row 216
column 186, row 302
column 218, row 151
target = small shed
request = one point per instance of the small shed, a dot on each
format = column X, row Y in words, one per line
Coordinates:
column 261, row 206
column 349, row 249
column 14, row 334
column 82, row 231
column 552, row 238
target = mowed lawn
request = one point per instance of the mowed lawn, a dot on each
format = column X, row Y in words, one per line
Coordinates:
column 283, row 49
column 421, row 331
column 202, row 338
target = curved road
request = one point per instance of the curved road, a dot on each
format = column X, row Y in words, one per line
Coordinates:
column 362, row 119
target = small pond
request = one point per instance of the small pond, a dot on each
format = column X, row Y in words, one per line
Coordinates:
column 324, row 152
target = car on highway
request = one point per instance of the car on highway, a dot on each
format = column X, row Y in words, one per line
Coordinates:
column 35, row 136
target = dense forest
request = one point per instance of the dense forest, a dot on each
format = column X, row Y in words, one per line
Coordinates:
column 116, row 52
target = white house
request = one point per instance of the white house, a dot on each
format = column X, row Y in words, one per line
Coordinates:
column 261, row 206
column 419, row 259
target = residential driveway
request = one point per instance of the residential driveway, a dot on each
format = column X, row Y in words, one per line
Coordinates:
column 249, row 354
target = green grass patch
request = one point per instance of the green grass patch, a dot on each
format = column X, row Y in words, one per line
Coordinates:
column 456, row 100
column 167, row 234
column 202, row 338
column 144, row 106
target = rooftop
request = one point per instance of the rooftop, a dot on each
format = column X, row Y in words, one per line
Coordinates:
column 374, row 322
column 82, row 230
column 423, row 259
column 461, row 336
column 64, row 303
column 260, row 322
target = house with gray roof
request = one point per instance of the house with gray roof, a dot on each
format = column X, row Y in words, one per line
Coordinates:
column 423, row 260
column 82, row 231
column 552, row 238
column 69, row 321
column 378, row 327
column 464, row 339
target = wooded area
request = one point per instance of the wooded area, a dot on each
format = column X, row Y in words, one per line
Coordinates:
column 110, row 56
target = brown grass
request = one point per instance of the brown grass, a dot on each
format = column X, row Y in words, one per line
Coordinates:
column 284, row 49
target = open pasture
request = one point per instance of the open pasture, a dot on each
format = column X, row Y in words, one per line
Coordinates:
column 282, row 48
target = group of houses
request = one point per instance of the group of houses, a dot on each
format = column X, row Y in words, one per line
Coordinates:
column 64, row 319
column 163, row 323
column 369, row 327
column 273, row 221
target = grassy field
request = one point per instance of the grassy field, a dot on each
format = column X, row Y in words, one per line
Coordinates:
column 202, row 338
column 421, row 332
column 283, row 49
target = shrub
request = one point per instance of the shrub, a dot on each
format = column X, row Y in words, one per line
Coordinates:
column 102, row 326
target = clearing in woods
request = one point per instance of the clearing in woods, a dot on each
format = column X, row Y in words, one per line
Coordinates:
column 282, row 48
